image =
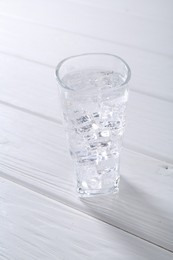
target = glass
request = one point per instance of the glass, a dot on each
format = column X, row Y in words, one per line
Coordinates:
column 94, row 93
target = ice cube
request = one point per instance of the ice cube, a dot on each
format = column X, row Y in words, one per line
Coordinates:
column 104, row 133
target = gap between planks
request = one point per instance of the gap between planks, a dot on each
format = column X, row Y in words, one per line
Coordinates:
column 28, row 168
column 144, row 79
column 51, row 196
column 156, row 96
column 129, row 146
column 88, row 36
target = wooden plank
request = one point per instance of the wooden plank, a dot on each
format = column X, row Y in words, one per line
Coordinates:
column 33, row 88
column 105, row 24
column 35, row 227
column 34, row 153
column 30, row 86
column 151, row 73
column 157, row 10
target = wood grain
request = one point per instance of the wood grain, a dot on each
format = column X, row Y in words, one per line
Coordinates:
column 35, row 227
column 32, row 88
column 95, row 22
column 34, row 154
column 34, row 37
column 151, row 73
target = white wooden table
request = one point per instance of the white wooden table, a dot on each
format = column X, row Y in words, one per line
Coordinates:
column 41, row 217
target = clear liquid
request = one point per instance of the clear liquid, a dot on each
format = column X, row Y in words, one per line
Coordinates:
column 94, row 111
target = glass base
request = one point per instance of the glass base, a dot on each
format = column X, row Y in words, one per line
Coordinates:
column 100, row 192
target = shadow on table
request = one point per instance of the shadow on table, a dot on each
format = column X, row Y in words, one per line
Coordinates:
column 133, row 211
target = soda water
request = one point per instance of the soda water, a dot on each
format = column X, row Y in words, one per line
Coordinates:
column 94, row 103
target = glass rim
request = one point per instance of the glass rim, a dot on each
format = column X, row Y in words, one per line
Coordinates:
column 88, row 54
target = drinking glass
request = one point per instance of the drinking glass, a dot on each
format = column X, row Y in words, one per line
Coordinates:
column 94, row 93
